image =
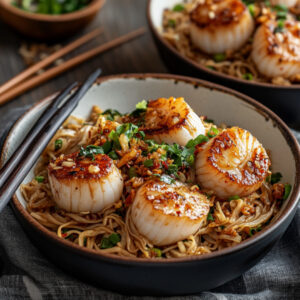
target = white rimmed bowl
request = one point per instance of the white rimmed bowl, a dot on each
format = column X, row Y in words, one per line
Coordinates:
column 183, row 275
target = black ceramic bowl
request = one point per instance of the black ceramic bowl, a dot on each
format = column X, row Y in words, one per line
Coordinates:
column 283, row 100
column 173, row 276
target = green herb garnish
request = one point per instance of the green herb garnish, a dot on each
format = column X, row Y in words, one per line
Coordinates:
column 51, row 7
column 58, row 144
column 233, row 198
column 132, row 172
column 113, row 155
column 251, row 9
column 280, row 27
column 90, row 151
column 155, row 252
column 248, row 76
column 171, row 23
column 210, row 217
column 178, row 7
column 212, row 132
column 39, row 179
column 274, row 178
column 254, row 230
column 110, row 114
column 111, row 241
column 219, row 57
column 148, row 163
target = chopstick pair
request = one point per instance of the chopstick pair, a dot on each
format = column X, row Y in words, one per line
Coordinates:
column 19, row 164
column 18, row 85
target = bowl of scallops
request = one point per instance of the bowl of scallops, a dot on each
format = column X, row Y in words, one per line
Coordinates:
column 158, row 178
column 251, row 46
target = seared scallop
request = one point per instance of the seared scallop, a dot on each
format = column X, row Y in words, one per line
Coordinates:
column 287, row 3
column 218, row 26
column 167, row 213
column 171, row 121
column 233, row 163
column 81, row 184
column 276, row 49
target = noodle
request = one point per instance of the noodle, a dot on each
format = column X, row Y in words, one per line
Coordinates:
column 237, row 64
column 232, row 220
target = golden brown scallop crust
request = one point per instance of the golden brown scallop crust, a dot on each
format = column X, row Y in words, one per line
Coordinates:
column 210, row 14
column 253, row 171
column 176, row 200
column 73, row 166
column 285, row 43
column 159, row 121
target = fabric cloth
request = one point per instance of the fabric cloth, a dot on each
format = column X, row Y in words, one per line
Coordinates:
column 27, row 274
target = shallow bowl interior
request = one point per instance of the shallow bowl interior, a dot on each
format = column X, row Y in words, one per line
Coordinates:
column 122, row 92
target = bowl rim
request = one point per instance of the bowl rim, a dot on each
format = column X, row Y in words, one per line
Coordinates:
column 220, row 75
column 133, row 261
column 89, row 9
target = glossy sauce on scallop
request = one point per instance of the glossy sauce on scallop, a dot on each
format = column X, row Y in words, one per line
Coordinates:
column 232, row 163
column 220, row 25
column 171, row 120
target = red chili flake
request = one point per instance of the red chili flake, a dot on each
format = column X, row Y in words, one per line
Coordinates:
column 166, row 166
column 64, row 235
column 129, row 198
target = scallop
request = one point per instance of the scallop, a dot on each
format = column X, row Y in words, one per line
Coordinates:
column 233, row 163
column 218, row 26
column 287, row 3
column 172, row 121
column 81, row 184
column 276, row 49
column 166, row 213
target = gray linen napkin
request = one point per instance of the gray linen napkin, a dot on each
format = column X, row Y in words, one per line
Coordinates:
column 27, row 274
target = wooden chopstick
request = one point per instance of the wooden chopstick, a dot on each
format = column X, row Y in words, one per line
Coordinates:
column 69, row 64
column 30, row 156
column 16, row 157
column 48, row 60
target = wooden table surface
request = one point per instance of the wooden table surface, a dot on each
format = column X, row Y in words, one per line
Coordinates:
column 117, row 17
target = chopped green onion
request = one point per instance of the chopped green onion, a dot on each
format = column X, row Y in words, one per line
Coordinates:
column 210, row 217
column 212, row 132
column 58, row 144
column 280, row 26
column 211, row 67
column 156, row 252
column 142, row 105
column 148, row 163
column 233, row 198
column 90, row 151
column 274, row 178
column 219, row 57
column 251, row 9
column 171, row 23
column 114, row 238
column 198, row 140
column 248, row 76
column 107, row 146
column 39, row 179
column 287, row 191
column 132, row 172
column 254, row 230
column 178, row 7
column 281, row 7
column 111, row 241
column 113, row 155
